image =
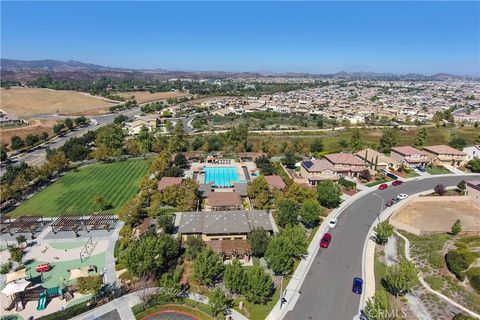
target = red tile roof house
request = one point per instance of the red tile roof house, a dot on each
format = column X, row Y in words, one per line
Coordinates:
column 275, row 182
column 317, row 170
column 346, row 164
column 410, row 156
column 168, row 182
column 223, row 201
column 446, row 155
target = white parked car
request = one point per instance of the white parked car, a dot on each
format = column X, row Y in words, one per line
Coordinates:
column 402, row 196
column 333, row 223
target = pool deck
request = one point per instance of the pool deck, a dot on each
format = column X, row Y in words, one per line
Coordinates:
column 244, row 170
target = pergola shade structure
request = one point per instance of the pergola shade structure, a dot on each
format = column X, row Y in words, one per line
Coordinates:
column 101, row 221
column 24, row 224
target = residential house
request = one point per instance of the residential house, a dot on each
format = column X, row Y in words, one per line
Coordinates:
column 225, row 231
column 446, row 155
column 275, row 182
column 7, row 119
column 317, row 170
column 346, row 164
column 166, row 182
column 472, row 152
column 472, row 190
column 377, row 160
column 135, row 126
column 223, row 201
column 410, row 156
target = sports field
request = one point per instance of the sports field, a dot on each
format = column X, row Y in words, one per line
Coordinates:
column 76, row 191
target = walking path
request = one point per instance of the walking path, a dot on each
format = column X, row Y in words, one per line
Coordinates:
column 426, row 286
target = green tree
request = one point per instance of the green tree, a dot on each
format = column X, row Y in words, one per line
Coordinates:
column 462, row 185
column 310, row 213
column 151, row 255
column 234, row 277
column 259, row 190
column 299, row 194
column 31, row 140
column 16, row 254
column 279, row 255
column 388, row 140
column 131, row 212
column 80, row 121
column 356, row 141
column 474, row 165
column 58, row 128
column 258, row 239
column 145, row 138
column 421, row 137
column 218, row 302
column 111, row 138
column 3, row 154
column 44, row 136
column 171, row 286
column 16, row 143
column 383, row 231
column 21, row 239
column 458, row 142
column 316, row 145
column 208, row 267
column 287, row 212
column 456, row 227
column 401, row 278
column 68, row 123
column 194, row 245
column 120, row 119
column 89, row 285
column 378, row 307
column 289, row 160
column 297, row 238
column 462, row 316
column 329, row 194
column 259, row 286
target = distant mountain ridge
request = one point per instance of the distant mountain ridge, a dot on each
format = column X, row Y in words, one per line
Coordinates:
column 13, row 69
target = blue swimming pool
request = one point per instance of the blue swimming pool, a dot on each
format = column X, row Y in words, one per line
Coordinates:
column 221, row 176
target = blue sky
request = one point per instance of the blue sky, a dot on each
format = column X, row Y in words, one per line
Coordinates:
column 317, row 37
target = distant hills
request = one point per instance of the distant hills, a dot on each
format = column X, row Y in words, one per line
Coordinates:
column 19, row 70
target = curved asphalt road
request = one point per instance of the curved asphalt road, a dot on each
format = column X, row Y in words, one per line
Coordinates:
column 326, row 293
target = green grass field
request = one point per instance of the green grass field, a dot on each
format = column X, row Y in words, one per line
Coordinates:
column 76, row 191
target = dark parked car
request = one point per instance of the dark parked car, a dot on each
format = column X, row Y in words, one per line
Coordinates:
column 357, row 285
column 391, row 175
column 390, row 203
column 420, row 168
column 397, row 182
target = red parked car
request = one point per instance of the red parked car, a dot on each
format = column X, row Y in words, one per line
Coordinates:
column 325, row 242
column 397, row 183
column 383, row 186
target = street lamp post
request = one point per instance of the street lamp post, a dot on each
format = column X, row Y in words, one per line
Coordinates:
column 381, row 206
column 282, row 299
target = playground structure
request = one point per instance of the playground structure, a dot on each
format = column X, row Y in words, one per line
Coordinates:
column 76, row 223
column 87, row 249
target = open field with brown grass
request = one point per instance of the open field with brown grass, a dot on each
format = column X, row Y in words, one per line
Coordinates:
column 34, row 127
column 438, row 214
column 145, row 96
column 34, row 101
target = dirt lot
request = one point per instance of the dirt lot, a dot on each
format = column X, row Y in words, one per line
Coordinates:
column 145, row 96
column 35, row 127
column 33, row 101
column 438, row 214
